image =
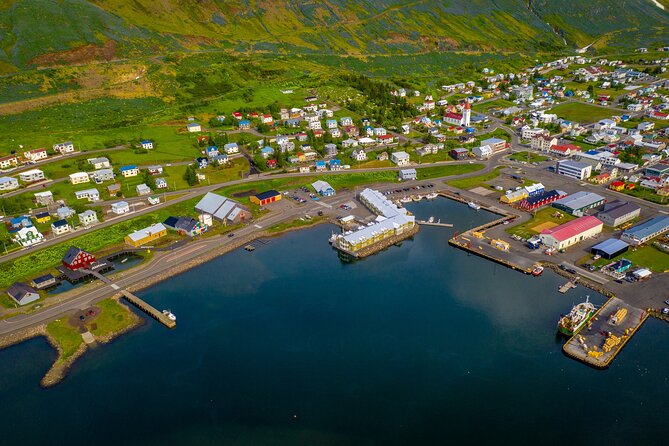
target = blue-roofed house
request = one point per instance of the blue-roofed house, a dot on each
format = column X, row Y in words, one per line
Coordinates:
column 65, row 212
column 194, row 127
column 202, row 162
column 147, row 144
column 21, row 222
column 212, row 151
column 331, row 123
column 267, row 152
column 245, row 124
column 293, row 122
column 320, row 166
column 129, row 171
column 335, row 164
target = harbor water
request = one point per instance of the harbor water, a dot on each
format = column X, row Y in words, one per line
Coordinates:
column 421, row 344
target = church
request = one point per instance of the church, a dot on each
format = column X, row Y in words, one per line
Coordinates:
column 462, row 119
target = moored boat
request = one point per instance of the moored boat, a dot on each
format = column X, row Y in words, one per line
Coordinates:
column 538, row 270
column 431, row 196
column 578, row 316
column 169, row 315
column 473, row 205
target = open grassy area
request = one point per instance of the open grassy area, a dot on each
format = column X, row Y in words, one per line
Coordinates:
column 530, row 157
column 645, row 256
column 541, row 220
column 646, row 194
column 297, row 223
column 472, row 182
column 112, row 318
column 486, row 107
column 582, row 113
column 66, row 336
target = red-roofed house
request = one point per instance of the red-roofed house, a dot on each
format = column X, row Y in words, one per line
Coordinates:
column 617, row 185
column 570, row 233
column 267, row 119
column 564, row 150
column 238, row 116
column 453, row 118
column 658, row 115
column 385, row 139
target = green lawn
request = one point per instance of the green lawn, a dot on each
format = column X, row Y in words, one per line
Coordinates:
column 646, row 194
column 472, row 182
column 646, row 256
column 532, row 158
column 526, row 230
column 496, row 104
column 582, row 113
column 66, row 336
column 298, row 223
column 112, row 318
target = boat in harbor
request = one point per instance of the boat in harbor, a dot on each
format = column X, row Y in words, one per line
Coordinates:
column 405, row 200
column 417, row 198
column 473, row 205
column 431, row 196
column 430, row 220
column 169, row 315
column 578, row 316
column 537, row 270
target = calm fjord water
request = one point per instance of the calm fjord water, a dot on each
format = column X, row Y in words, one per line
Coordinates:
column 421, row 344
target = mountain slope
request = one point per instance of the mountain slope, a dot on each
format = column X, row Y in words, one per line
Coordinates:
column 32, row 28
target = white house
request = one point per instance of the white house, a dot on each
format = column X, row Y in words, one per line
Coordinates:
column 349, row 143
column 60, row 227
column 28, row 236
column 120, row 207
column 379, row 131
column 30, row 176
column 143, row 189
column 99, row 163
column 194, row 127
column 79, row 177
column 573, row 169
column 400, row 158
column 129, row 171
column 231, row 148
column 89, row 217
column 161, row 183
column 35, row 155
column 359, row 155
column 8, row 183
column 89, row 194
column 64, row 147
column 482, row 151
column 147, row 144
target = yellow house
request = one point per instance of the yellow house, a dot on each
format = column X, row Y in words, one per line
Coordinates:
column 43, row 217
column 146, row 235
column 514, row 196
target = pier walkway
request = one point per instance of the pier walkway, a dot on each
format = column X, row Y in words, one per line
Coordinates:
column 598, row 343
column 137, row 302
column 434, row 223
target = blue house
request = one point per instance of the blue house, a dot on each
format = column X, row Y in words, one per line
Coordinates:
column 320, row 165
column 293, row 122
column 147, row 144
column 323, row 188
column 212, row 151
column 21, row 222
column 335, row 164
column 245, row 124
column 267, row 152
column 625, row 118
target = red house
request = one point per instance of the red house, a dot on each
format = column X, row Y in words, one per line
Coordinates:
column 76, row 258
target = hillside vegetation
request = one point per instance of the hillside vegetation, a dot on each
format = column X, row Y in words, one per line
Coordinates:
column 46, row 32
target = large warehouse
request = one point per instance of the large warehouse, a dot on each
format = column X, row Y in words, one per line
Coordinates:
column 578, row 203
column 618, row 212
column 647, row 230
column 572, row 232
column 610, row 248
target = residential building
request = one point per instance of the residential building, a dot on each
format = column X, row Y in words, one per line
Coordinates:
column 59, row 227
column 64, row 147
column 28, row 236
column 578, row 203
column 129, row 171
column 79, row 178
column 212, row 151
column 42, row 217
column 154, row 169
column 161, row 183
column 194, row 127
column 8, row 183
column 146, row 144
column 88, row 218
column 496, row 144
column 22, row 293
column 323, row 188
column 564, row 150
column 99, row 163
column 43, row 282
column 9, row 161
column 146, row 235
column 231, row 148
column 616, row 213
column 143, row 189
column 120, row 207
column 331, row 150
column 76, row 258
column 89, row 194
column 574, row 169
column 407, row 174
column 570, row 233
column 482, row 151
column 30, row 176
column 459, row 153
column 222, row 209
column 542, row 142
column 102, row 175
column 528, row 132
column 65, row 212
column 647, row 230
column 359, row 155
column 266, row 197
column 186, row 225
column 400, row 158
column 35, row 155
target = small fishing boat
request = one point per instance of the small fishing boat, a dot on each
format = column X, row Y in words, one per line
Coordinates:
column 417, row 197
column 169, row 315
column 431, row 196
column 405, row 200
column 473, row 205
column 537, row 270
column 430, row 220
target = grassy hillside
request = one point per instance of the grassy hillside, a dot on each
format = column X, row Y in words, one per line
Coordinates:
column 44, row 32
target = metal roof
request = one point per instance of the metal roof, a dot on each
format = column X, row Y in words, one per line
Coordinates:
column 573, row 228
column 579, row 200
column 611, row 246
column 648, row 228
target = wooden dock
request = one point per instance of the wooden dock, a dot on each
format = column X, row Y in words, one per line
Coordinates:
column 148, row 309
column 568, row 286
column 434, row 223
column 599, row 342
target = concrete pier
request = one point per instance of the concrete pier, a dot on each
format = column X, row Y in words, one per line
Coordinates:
column 434, row 223
column 148, row 309
column 599, row 342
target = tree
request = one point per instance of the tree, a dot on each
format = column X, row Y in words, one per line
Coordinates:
column 591, row 90
column 190, row 176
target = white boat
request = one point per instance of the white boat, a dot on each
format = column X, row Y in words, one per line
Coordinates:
column 169, row 315
column 405, row 200
column 430, row 220
column 417, row 198
column 473, row 205
column 431, row 196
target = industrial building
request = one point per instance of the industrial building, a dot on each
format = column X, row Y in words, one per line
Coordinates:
column 323, row 188
column 266, row 197
column 514, row 196
column 408, row 174
column 573, row 169
column 570, row 233
column 610, row 248
column 645, row 231
column 576, row 204
column 146, row 235
column 222, row 209
column 618, row 212
column 542, row 199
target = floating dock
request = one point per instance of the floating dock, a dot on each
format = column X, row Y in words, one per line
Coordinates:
column 599, row 342
column 568, row 286
column 434, row 223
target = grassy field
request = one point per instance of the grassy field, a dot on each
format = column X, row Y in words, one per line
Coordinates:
column 298, row 223
column 496, row 104
column 645, row 256
column 646, row 194
column 112, row 318
column 582, row 113
column 66, row 336
column 542, row 219
column 472, row 182
column 523, row 156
